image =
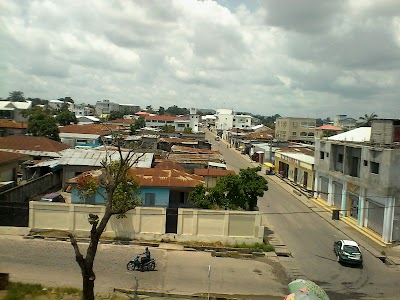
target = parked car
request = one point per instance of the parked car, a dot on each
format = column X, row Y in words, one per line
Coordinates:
column 53, row 197
column 348, row 252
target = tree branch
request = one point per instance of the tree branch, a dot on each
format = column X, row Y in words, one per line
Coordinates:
column 78, row 256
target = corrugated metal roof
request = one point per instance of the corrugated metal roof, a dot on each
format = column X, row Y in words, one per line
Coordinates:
column 34, row 152
column 66, row 135
column 83, row 157
column 183, row 149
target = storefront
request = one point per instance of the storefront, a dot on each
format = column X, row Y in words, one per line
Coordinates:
column 375, row 216
column 337, row 194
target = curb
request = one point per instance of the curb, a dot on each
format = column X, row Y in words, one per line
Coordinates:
column 212, row 296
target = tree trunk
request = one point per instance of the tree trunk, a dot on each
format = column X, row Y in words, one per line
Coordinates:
column 88, row 287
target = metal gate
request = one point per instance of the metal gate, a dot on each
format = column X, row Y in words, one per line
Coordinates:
column 324, row 188
column 353, row 205
column 376, row 214
column 337, row 194
column 171, row 221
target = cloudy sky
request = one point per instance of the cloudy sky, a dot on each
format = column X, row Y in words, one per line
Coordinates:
column 306, row 58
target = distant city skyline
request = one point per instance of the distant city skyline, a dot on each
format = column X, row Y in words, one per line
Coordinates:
column 300, row 58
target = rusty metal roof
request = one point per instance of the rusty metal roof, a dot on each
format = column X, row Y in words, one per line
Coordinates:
column 165, row 178
column 6, row 157
column 180, row 157
column 100, row 129
column 31, row 143
column 213, row 172
column 183, row 149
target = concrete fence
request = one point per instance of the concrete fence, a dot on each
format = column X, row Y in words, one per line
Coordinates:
column 149, row 223
column 23, row 192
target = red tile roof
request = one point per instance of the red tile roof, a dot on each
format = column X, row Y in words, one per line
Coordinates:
column 34, row 143
column 329, row 127
column 183, row 149
column 213, row 172
column 6, row 157
column 142, row 113
column 100, row 129
column 13, row 124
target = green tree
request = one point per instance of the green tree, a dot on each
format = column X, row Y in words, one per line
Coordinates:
column 16, row 96
column 139, row 123
column 121, row 196
column 41, row 124
column 66, row 117
column 114, row 115
column 161, row 111
column 168, row 129
column 149, row 109
column 367, row 119
column 187, row 130
column 236, row 192
column 175, row 110
column 253, row 185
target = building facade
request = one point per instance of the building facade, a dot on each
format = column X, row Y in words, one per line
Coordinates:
column 361, row 179
column 106, row 107
column 295, row 129
column 226, row 119
column 297, row 167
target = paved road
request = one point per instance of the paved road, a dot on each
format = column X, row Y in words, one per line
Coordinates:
column 309, row 238
column 52, row 263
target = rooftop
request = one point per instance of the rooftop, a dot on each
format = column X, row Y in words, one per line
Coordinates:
column 32, row 143
column 299, row 156
column 100, row 129
column 89, row 157
column 6, row 157
column 213, row 172
column 329, row 127
column 360, row 134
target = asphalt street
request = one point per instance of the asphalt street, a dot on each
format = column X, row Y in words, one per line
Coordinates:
column 52, row 263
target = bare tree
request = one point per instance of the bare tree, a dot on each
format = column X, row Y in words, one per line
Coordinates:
column 120, row 196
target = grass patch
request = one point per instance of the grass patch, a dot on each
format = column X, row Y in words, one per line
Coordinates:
column 27, row 291
column 258, row 246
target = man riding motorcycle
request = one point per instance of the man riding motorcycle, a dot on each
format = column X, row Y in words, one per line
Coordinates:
column 144, row 258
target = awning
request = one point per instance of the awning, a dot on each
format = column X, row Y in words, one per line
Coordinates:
column 268, row 164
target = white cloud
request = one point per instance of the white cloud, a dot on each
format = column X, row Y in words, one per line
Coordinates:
column 311, row 58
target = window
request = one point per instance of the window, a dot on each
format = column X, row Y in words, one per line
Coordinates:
column 294, row 124
column 365, row 163
column 340, row 158
column 149, row 199
column 327, row 154
column 294, row 133
column 321, row 154
column 374, row 167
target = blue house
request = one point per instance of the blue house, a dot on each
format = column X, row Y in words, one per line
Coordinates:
column 161, row 187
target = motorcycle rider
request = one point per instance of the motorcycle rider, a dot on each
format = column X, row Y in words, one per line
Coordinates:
column 144, row 258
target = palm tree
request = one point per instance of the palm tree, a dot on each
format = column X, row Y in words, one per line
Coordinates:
column 367, row 119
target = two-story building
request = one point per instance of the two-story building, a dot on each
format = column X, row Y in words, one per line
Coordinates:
column 343, row 121
column 358, row 173
column 13, row 110
column 295, row 129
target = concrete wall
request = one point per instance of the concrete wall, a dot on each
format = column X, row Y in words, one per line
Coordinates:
column 148, row 223
column 23, row 192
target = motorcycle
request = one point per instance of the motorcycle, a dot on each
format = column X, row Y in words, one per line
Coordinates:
column 136, row 264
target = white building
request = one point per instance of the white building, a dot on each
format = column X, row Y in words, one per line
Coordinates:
column 226, row 120
column 105, row 107
column 13, row 110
